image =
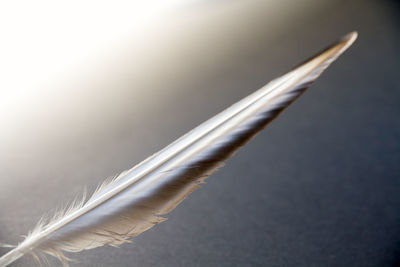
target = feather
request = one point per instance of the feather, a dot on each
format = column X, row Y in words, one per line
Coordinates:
column 137, row 199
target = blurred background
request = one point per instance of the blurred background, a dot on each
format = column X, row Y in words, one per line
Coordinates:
column 90, row 88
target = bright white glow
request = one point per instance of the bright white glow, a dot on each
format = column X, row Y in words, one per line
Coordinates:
column 43, row 41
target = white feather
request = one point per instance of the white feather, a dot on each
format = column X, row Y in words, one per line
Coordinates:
column 135, row 200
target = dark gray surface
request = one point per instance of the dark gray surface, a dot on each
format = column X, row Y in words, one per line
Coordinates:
column 319, row 187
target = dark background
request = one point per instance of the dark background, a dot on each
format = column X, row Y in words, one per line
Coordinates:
column 319, row 187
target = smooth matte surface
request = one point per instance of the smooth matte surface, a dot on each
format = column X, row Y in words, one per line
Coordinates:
column 319, row 187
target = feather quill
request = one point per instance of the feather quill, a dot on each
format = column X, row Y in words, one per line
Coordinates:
column 137, row 199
